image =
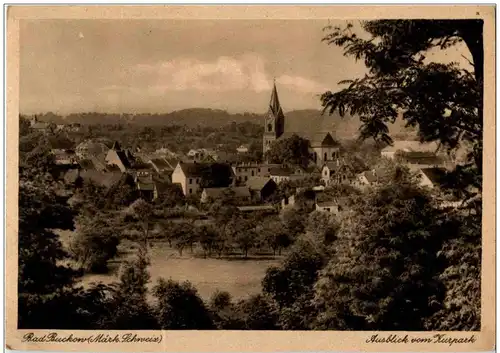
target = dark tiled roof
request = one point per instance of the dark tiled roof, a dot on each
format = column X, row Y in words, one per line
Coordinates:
column 316, row 139
column 436, row 175
column 258, row 183
column 101, row 178
column 281, row 171
column 200, row 169
column 160, row 163
column 219, row 192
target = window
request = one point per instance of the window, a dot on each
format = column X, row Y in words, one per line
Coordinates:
column 252, row 173
column 190, row 191
column 268, row 170
column 259, row 170
column 269, row 127
column 246, row 178
column 333, row 155
column 327, row 209
column 190, row 181
column 326, row 157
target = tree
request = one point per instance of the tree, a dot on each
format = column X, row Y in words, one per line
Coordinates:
column 242, row 234
column 207, row 235
column 323, row 225
column 383, row 270
column 95, row 243
column 274, row 234
column 41, row 255
column 292, row 150
column 183, row 235
column 443, row 101
column 142, row 213
column 257, row 313
column 132, row 310
column 179, row 307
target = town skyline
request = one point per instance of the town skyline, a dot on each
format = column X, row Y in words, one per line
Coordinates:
column 125, row 66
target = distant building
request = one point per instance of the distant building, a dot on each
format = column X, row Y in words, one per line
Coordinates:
column 337, row 172
column 38, row 125
column 116, row 156
column 239, row 193
column 323, row 146
column 243, row 149
column 192, row 175
column 90, row 148
column 328, row 206
column 261, row 187
column 245, row 171
column 287, row 173
column 161, row 165
column 432, row 177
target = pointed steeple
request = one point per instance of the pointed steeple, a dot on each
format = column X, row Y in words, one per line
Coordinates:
column 116, row 146
column 274, row 103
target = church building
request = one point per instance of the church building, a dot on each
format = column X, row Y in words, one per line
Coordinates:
column 322, row 148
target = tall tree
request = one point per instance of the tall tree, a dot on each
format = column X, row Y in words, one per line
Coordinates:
column 444, row 101
column 292, row 150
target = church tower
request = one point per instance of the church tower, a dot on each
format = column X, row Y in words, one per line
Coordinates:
column 274, row 122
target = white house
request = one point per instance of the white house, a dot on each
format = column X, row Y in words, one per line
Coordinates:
column 190, row 175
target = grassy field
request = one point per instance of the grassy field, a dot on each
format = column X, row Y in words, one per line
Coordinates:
column 240, row 277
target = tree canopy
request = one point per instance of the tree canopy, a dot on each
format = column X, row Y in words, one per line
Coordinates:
column 443, row 100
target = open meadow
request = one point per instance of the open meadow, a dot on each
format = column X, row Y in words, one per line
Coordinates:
column 236, row 275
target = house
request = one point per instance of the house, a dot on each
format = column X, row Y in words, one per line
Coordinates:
column 192, row 175
column 161, row 165
column 432, row 177
column 90, row 148
column 261, row 187
column 328, row 206
column 288, row 202
column 370, row 177
column 337, row 172
column 238, row 193
column 99, row 178
column 287, row 173
column 38, row 125
column 243, row 149
column 146, row 187
column 409, row 146
column 116, row 156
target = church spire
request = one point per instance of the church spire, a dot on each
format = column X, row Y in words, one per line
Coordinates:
column 274, row 104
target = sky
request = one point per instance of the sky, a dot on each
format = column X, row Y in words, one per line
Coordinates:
column 157, row 66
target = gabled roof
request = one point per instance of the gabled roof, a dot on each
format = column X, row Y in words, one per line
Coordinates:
column 279, row 171
column 106, row 179
column 316, row 138
column 258, row 183
column 116, row 146
column 241, row 191
column 327, row 203
column 86, row 164
column 121, row 156
column 370, row 176
column 160, row 163
column 200, row 169
column 435, row 175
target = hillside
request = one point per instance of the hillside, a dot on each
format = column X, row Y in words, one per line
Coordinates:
column 295, row 120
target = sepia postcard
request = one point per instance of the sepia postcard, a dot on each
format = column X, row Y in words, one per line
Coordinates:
column 250, row 178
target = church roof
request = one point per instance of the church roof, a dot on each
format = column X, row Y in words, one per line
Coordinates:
column 316, row 139
column 274, row 103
